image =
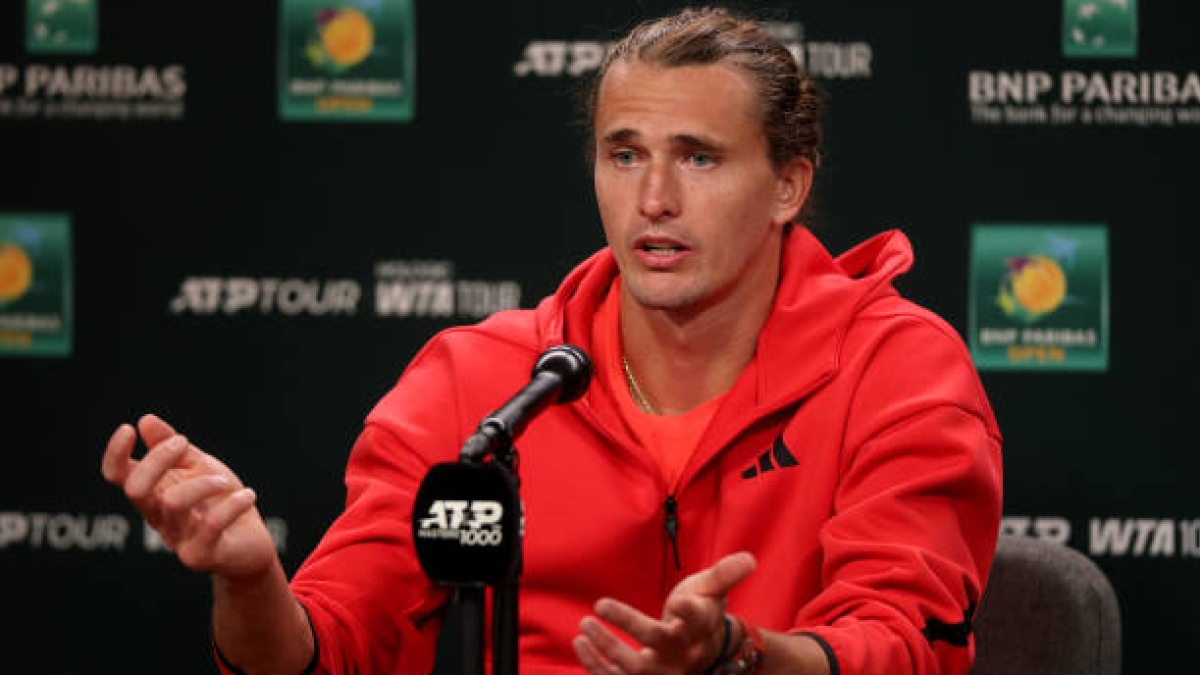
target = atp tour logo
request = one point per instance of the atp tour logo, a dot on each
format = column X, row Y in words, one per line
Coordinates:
column 822, row 59
column 470, row 523
column 404, row 289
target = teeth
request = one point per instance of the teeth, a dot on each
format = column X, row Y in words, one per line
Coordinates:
column 662, row 250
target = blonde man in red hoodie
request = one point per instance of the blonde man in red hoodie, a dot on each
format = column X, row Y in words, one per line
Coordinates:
column 782, row 466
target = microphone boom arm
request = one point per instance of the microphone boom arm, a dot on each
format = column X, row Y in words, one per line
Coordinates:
column 560, row 375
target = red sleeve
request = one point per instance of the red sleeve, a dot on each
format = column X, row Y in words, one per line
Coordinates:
column 372, row 608
column 917, row 511
column 369, row 605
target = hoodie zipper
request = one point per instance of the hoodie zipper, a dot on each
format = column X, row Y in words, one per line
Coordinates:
column 670, row 506
column 671, row 527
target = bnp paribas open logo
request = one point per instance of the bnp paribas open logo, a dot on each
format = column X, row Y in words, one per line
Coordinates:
column 35, row 285
column 1100, row 28
column 350, row 60
column 60, row 26
column 1039, row 297
column 340, row 39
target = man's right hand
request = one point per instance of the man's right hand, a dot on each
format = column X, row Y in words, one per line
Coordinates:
column 197, row 505
column 205, row 514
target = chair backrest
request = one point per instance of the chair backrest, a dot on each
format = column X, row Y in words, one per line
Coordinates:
column 1047, row 610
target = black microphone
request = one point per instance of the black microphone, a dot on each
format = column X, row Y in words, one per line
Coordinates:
column 467, row 520
column 468, row 524
column 560, row 375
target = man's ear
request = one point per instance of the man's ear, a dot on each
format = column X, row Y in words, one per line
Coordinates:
column 792, row 184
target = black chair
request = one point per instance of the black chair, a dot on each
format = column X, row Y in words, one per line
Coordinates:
column 1047, row 610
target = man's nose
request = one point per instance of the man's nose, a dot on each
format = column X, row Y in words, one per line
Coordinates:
column 659, row 198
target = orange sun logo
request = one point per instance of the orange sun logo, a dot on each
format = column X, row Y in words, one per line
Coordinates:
column 344, row 38
column 1034, row 286
column 16, row 272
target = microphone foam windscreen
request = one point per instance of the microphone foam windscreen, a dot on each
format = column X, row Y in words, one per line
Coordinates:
column 467, row 524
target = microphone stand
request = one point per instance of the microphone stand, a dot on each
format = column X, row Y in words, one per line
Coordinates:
column 560, row 375
column 494, row 438
column 504, row 595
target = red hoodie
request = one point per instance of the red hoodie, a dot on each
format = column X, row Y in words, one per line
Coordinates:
column 856, row 457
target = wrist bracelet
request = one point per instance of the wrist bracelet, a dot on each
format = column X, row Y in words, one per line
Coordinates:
column 747, row 659
column 722, row 652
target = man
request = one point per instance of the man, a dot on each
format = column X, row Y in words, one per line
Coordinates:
column 780, row 467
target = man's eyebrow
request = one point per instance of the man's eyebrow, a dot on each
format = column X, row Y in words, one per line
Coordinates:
column 625, row 134
column 696, row 142
column 620, row 135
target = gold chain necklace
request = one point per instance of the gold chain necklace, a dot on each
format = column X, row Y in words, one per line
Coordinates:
column 639, row 397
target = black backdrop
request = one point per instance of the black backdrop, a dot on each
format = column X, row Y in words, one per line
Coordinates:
column 485, row 189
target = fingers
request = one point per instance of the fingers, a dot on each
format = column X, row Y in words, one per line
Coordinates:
column 687, row 636
column 118, row 462
column 146, row 474
column 218, row 518
column 192, row 499
column 694, row 612
column 607, row 650
column 181, row 506
column 191, row 493
column 591, row 659
column 154, row 430
column 644, row 629
column 719, row 579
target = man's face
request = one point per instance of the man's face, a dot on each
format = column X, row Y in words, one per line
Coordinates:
column 692, row 207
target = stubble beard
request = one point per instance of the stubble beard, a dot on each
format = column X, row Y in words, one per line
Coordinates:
column 679, row 302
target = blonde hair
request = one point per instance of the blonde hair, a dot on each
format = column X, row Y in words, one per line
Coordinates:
column 789, row 98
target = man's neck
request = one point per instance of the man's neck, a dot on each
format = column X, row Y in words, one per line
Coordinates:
column 682, row 359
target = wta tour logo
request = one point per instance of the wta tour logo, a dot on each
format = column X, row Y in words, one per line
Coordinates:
column 35, row 285
column 1100, row 28
column 1039, row 297
column 354, row 60
column 60, row 26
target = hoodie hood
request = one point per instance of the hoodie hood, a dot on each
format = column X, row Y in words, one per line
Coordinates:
column 817, row 300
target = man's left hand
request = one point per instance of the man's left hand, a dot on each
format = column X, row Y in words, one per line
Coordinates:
column 685, row 641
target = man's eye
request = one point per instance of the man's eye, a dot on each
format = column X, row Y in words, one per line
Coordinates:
column 624, row 157
column 701, row 159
